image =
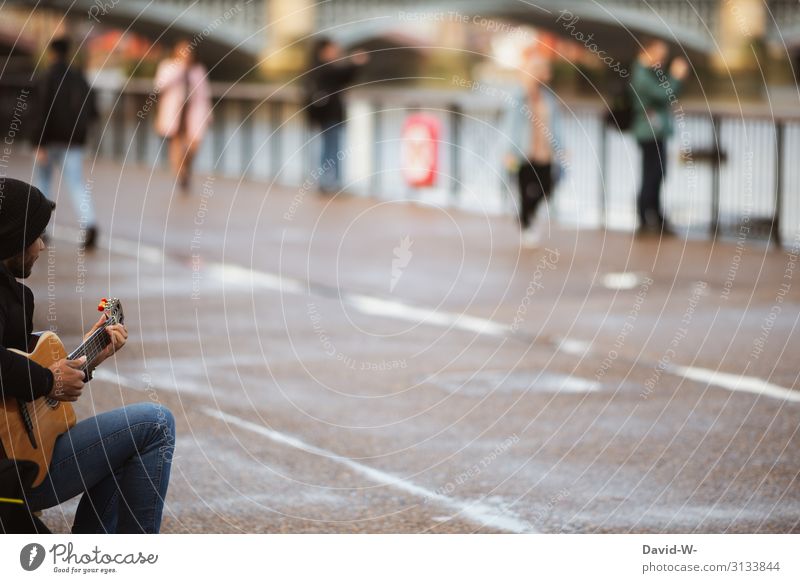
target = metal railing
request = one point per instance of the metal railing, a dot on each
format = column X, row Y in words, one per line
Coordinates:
column 729, row 171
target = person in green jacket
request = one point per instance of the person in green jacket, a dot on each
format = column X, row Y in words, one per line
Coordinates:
column 654, row 93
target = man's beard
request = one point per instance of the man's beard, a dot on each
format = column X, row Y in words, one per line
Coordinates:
column 18, row 267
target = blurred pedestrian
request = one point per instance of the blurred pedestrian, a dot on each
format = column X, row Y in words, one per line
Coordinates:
column 532, row 129
column 64, row 111
column 184, row 108
column 654, row 92
column 331, row 73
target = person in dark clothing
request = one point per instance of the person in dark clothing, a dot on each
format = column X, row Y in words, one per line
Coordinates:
column 65, row 109
column 653, row 92
column 330, row 75
column 120, row 460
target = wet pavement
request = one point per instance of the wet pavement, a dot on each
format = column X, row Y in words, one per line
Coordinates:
column 363, row 365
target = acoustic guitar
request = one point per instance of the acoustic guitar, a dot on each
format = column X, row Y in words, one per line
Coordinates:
column 28, row 430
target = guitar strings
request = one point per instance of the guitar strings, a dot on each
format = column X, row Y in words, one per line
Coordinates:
column 93, row 342
column 92, row 346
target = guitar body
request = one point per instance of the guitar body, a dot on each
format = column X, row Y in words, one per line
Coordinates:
column 49, row 418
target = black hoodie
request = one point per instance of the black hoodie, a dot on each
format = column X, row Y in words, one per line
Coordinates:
column 24, row 214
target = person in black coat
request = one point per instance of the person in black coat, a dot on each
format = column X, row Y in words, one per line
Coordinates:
column 331, row 74
column 65, row 108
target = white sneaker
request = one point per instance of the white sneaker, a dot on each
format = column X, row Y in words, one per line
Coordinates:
column 530, row 239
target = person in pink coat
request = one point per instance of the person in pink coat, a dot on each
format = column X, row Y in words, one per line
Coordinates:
column 184, row 110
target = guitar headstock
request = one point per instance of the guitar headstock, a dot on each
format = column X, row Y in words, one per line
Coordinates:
column 113, row 310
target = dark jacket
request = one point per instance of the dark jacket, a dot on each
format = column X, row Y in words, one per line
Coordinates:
column 65, row 107
column 327, row 83
column 19, row 377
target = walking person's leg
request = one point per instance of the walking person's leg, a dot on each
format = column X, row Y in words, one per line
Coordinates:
column 82, row 202
column 329, row 179
column 534, row 183
column 190, row 152
column 336, row 151
column 121, row 462
column 44, row 174
column 652, row 174
column 525, row 177
column 44, row 170
column 177, row 157
column 660, row 163
column 641, row 209
column 522, row 210
column 541, row 205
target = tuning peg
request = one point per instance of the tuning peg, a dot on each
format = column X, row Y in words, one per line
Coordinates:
column 101, row 307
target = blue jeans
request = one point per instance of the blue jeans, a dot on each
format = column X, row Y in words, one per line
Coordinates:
column 120, row 461
column 70, row 159
column 331, row 177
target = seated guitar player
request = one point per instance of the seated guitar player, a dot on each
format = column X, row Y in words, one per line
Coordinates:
column 120, row 460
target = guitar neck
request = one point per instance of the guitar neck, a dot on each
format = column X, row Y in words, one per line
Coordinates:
column 92, row 346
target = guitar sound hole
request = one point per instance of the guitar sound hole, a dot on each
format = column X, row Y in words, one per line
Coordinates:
column 52, row 403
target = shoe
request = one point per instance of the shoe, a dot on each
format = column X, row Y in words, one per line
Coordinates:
column 90, row 238
column 665, row 229
column 530, row 239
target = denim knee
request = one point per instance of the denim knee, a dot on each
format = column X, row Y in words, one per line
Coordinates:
column 159, row 417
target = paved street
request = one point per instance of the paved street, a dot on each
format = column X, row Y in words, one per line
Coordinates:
column 361, row 365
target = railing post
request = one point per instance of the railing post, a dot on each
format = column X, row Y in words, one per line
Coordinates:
column 715, row 164
column 775, row 227
column 377, row 137
column 603, row 162
column 246, row 137
column 455, row 153
column 218, row 136
column 118, row 126
column 275, row 138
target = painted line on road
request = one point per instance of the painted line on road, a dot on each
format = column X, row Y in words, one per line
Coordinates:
column 230, row 273
column 722, row 380
column 736, row 383
column 375, row 306
column 164, row 382
column 478, row 512
column 401, row 311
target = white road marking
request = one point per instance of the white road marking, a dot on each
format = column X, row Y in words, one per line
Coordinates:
column 468, row 383
column 574, row 347
column 402, row 311
column 162, row 381
column 722, row 380
column 621, row 281
column 478, row 512
column 735, row 382
column 399, row 310
column 247, row 277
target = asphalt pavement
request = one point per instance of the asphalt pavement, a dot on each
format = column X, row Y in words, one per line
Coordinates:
column 344, row 364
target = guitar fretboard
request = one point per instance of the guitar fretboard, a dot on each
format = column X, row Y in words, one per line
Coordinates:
column 92, row 346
